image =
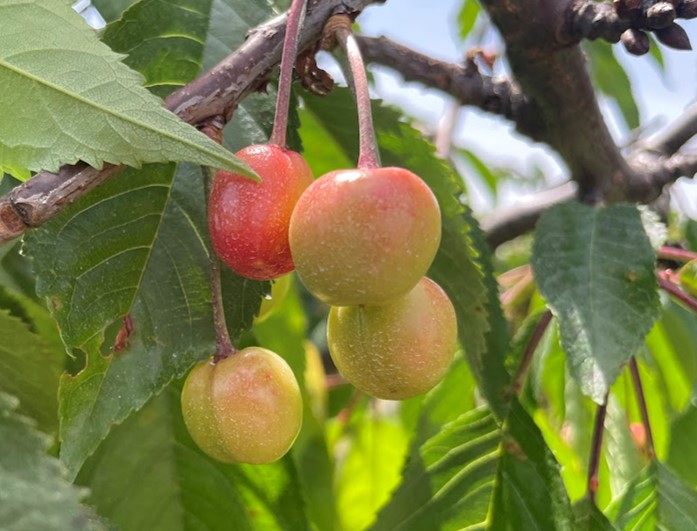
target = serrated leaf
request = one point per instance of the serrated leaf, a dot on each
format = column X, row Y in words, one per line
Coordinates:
column 112, row 9
column 530, row 493
column 137, row 247
column 80, row 102
column 34, row 491
column 657, row 499
column 457, row 265
column 30, row 370
column 164, row 40
column 595, row 268
column 449, row 483
column 611, row 79
column 152, row 457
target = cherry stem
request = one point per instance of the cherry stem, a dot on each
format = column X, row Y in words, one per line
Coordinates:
column 678, row 255
column 643, row 408
column 530, row 349
column 296, row 14
column 223, row 343
column 368, row 152
column 596, row 447
column 675, row 291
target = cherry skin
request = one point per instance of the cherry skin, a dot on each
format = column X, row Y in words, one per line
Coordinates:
column 248, row 221
column 364, row 236
column 245, row 408
column 398, row 350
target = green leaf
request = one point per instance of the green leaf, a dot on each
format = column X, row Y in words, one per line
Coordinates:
column 34, row 490
column 112, row 9
column 448, row 483
column 589, row 517
column 681, row 453
column 467, row 17
column 149, row 475
column 611, row 79
column 657, row 499
column 370, row 469
column 595, row 268
column 164, row 41
column 457, row 266
column 137, row 247
column 673, row 346
column 530, row 493
column 688, row 277
column 80, row 102
column 30, row 370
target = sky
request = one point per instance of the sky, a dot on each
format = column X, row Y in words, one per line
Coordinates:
column 431, row 28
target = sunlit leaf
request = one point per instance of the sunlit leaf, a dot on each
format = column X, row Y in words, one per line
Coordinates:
column 80, row 102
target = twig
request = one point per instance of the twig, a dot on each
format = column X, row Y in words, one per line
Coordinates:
column 672, row 137
column 588, row 19
column 296, row 14
column 368, row 156
column 643, row 408
column 467, row 85
column 675, row 254
column 508, row 223
column 216, row 92
column 675, row 291
column 530, row 348
column 596, row 449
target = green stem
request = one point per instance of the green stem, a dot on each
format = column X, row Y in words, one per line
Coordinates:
column 530, row 350
column 296, row 14
column 368, row 152
column 223, row 343
column 596, row 448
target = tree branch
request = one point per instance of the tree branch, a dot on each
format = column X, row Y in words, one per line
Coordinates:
column 464, row 83
column 508, row 223
column 215, row 93
column 628, row 20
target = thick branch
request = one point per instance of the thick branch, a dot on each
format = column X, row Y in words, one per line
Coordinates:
column 215, row 93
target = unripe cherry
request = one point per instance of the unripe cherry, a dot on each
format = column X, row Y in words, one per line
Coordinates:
column 364, row 236
column 248, row 220
column 397, row 350
column 246, row 408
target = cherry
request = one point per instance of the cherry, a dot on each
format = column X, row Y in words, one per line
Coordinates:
column 364, row 236
column 248, row 220
column 398, row 350
column 245, row 408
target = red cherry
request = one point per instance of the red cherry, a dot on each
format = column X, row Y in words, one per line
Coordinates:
column 248, row 221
